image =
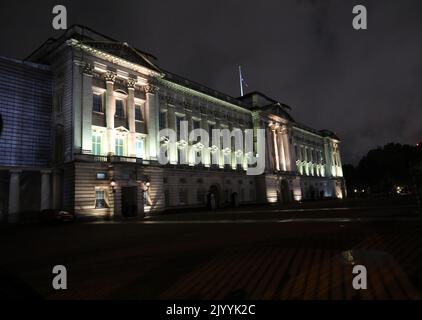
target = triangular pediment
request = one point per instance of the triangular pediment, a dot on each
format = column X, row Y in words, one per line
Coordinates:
column 279, row 110
column 122, row 129
column 124, row 51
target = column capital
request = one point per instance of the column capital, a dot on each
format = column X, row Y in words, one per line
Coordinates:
column 169, row 99
column 130, row 83
column 110, row 76
column 46, row 171
column 284, row 129
column 15, row 171
column 150, row 88
column 87, row 68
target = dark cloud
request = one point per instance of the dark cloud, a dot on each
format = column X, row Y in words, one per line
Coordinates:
column 364, row 85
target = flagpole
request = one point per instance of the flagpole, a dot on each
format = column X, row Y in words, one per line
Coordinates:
column 240, row 81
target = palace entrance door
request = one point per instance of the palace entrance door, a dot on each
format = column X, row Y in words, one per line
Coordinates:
column 129, row 201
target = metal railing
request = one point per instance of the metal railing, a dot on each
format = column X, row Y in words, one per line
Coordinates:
column 110, row 158
column 123, row 159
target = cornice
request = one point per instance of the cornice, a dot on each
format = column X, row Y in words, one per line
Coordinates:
column 203, row 96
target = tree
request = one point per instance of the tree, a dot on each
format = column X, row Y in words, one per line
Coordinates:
column 383, row 168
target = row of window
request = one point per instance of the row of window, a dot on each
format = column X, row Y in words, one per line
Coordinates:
column 120, row 147
column 214, row 157
column 101, row 199
column 201, row 196
column 120, row 144
column 196, row 124
column 98, row 106
column 309, row 155
column 336, row 159
column 311, row 170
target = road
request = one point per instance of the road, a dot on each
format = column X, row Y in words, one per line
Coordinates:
column 294, row 252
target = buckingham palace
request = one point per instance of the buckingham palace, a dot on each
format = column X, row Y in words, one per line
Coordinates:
column 80, row 130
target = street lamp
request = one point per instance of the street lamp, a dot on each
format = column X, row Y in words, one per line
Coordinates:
column 146, row 184
column 113, row 185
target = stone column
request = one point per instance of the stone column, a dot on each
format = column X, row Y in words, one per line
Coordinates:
column 206, row 160
column 152, row 114
column 45, row 189
column 286, row 147
column 339, row 162
column 282, row 153
column 328, row 158
column 131, row 117
column 219, row 155
column 110, row 77
column 233, row 150
column 77, row 99
column 333, row 160
column 14, row 196
column 293, row 156
column 87, row 70
column 306, row 151
column 171, row 123
column 269, row 155
column 190, row 153
column 276, row 154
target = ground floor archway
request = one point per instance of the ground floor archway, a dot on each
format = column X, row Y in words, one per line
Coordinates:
column 213, row 197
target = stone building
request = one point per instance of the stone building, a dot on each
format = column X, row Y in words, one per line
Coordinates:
column 25, row 137
column 98, row 111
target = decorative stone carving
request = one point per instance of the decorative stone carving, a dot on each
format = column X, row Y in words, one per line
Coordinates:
column 283, row 129
column 170, row 100
column 130, row 83
column 87, row 68
column 198, row 146
column 150, row 88
column 110, row 76
column 213, row 148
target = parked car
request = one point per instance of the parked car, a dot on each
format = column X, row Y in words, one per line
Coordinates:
column 56, row 215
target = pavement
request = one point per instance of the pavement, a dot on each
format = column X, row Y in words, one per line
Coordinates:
column 303, row 251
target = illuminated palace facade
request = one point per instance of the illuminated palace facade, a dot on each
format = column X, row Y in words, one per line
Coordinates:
column 105, row 103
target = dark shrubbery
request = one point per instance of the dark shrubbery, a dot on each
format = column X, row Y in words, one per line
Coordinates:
column 383, row 169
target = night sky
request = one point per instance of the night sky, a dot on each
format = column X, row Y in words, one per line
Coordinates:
column 364, row 85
